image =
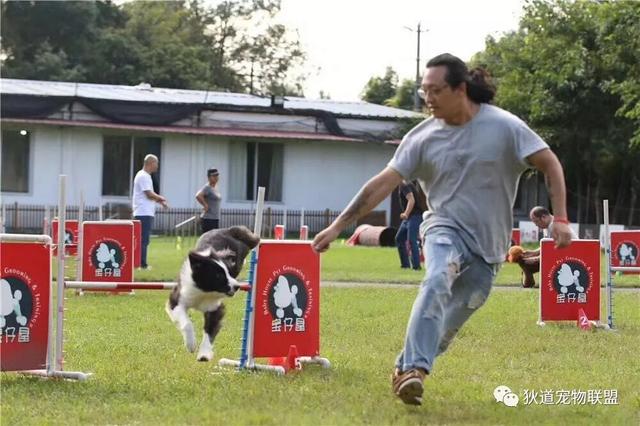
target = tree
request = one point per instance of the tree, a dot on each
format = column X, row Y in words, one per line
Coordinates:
column 176, row 44
column 53, row 40
column 569, row 72
column 379, row 89
column 405, row 95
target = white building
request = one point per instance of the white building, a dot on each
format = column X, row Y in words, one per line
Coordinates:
column 311, row 154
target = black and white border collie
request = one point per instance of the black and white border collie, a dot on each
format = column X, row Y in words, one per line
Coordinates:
column 206, row 278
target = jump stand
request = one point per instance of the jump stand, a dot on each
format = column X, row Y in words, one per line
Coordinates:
column 569, row 281
column 282, row 311
column 622, row 249
column 28, row 336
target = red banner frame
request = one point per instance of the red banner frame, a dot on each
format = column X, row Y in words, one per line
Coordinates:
column 625, row 249
column 70, row 226
column 25, row 277
column 569, row 280
column 288, row 275
column 107, row 251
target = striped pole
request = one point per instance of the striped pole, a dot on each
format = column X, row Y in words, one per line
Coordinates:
column 99, row 285
column 625, row 268
column 607, row 250
column 62, row 217
column 246, row 351
column 151, row 285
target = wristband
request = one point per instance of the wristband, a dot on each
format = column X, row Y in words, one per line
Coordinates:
column 561, row 220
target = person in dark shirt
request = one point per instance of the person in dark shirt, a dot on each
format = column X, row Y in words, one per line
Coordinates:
column 411, row 218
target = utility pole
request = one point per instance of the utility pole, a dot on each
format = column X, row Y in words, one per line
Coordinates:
column 417, row 103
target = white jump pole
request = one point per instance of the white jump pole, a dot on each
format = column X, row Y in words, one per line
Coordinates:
column 284, row 220
column 79, row 237
column 45, row 221
column 607, row 250
column 55, row 367
column 625, row 268
column 3, row 218
column 257, row 229
column 62, row 217
column 302, row 217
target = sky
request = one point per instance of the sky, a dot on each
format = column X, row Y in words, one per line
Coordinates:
column 349, row 41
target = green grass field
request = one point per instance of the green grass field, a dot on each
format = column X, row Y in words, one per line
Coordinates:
column 143, row 374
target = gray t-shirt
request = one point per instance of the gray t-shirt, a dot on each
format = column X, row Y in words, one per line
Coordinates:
column 213, row 199
column 470, row 174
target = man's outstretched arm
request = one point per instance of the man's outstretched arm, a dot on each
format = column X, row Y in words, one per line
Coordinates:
column 547, row 162
column 370, row 195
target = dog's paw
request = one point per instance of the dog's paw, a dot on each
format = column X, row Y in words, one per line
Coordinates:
column 189, row 338
column 205, row 353
column 205, row 356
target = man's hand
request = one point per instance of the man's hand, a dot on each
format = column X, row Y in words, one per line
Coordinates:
column 322, row 240
column 561, row 234
column 403, row 216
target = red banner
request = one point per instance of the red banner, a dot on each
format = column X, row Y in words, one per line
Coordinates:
column 625, row 249
column 107, row 251
column 569, row 280
column 287, row 299
column 70, row 236
column 25, row 286
column 515, row 237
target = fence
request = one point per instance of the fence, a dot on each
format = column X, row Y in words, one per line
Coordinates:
column 24, row 218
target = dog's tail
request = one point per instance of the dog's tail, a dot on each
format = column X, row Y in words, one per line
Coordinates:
column 242, row 233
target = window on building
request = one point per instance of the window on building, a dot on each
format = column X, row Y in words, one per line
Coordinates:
column 122, row 157
column 15, row 160
column 254, row 164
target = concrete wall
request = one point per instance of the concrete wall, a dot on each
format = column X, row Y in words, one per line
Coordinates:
column 317, row 174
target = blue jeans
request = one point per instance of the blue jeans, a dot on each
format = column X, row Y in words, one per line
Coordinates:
column 456, row 283
column 409, row 229
column 146, row 222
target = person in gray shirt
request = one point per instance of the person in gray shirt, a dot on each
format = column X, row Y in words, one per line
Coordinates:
column 468, row 158
column 209, row 198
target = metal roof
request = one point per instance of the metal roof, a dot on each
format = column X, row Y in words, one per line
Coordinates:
column 237, row 133
column 146, row 93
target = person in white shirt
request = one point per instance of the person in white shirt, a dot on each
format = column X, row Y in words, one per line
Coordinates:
column 144, row 202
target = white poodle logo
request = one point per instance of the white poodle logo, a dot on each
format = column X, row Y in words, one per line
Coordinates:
column 566, row 278
column 104, row 254
column 626, row 255
column 10, row 303
column 285, row 296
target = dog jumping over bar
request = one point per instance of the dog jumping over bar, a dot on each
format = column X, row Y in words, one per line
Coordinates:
column 207, row 277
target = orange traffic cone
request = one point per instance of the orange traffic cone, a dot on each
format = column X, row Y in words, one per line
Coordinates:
column 583, row 321
column 292, row 358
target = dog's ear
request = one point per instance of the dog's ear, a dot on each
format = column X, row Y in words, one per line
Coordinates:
column 242, row 233
column 196, row 260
